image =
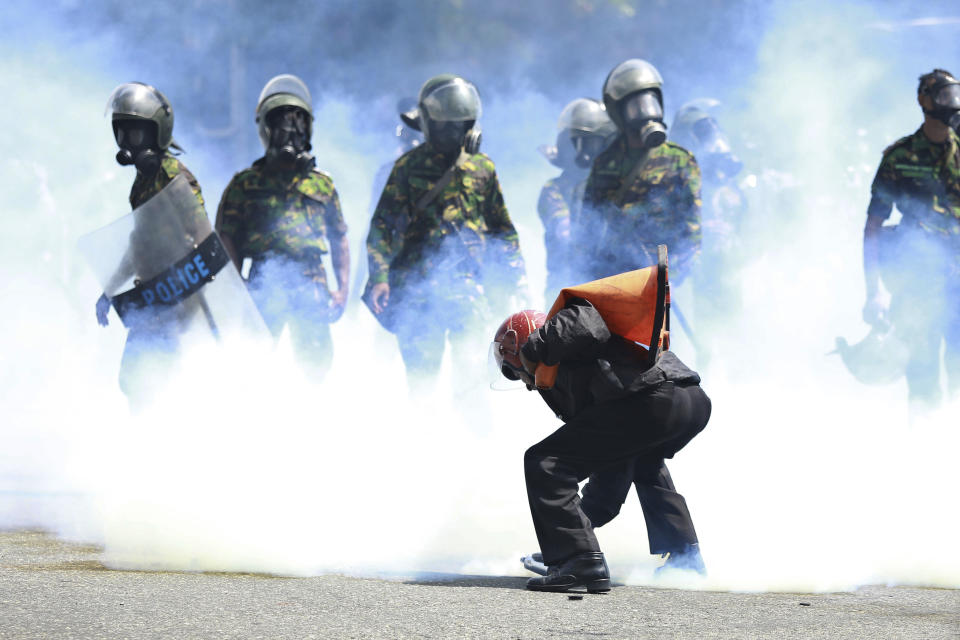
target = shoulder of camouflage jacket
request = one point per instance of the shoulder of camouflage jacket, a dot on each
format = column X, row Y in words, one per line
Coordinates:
column 172, row 167
column 315, row 184
column 903, row 143
column 673, row 150
column 421, row 154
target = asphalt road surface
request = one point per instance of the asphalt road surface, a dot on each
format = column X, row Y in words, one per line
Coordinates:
column 52, row 589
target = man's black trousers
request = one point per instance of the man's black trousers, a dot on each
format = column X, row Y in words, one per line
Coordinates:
column 647, row 426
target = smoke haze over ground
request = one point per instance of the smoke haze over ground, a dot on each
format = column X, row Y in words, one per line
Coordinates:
column 804, row 479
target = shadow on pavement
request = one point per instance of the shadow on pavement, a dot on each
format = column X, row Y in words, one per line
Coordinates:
column 457, row 580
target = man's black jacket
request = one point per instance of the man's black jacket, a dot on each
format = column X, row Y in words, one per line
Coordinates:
column 595, row 365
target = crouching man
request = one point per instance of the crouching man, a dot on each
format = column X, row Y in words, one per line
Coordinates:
column 621, row 404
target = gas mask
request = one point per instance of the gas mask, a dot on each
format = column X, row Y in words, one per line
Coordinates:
column 713, row 150
column 588, row 147
column 289, row 137
column 643, row 116
column 450, row 136
column 945, row 95
column 137, row 140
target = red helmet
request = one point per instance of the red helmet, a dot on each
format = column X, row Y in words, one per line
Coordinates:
column 512, row 335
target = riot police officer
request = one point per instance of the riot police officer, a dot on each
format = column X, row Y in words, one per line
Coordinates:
column 284, row 215
column 642, row 191
column 441, row 247
column 920, row 266
column 584, row 130
column 142, row 121
column 724, row 209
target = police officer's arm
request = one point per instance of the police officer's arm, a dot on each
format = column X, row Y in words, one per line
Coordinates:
column 576, row 332
column 505, row 270
column 688, row 204
column 124, row 272
column 339, row 248
column 554, row 213
column 879, row 209
column 230, row 219
column 385, row 238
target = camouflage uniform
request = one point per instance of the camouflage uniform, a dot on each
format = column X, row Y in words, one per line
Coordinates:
column 282, row 220
column 662, row 206
column 149, row 345
column 446, row 262
column 170, row 167
column 923, row 180
column 559, row 198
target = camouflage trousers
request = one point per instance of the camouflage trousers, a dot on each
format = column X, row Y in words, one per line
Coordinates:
column 287, row 296
column 925, row 310
column 422, row 328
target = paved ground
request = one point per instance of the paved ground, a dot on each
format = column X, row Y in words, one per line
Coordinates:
column 49, row 589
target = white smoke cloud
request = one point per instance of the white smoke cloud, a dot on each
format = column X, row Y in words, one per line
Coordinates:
column 803, row 480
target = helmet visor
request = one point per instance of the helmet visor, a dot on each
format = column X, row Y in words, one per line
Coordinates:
column 630, row 76
column 641, row 107
column 286, row 84
column 584, row 115
column 456, row 101
column 500, row 375
column 947, row 97
column 709, row 137
column 134, row 100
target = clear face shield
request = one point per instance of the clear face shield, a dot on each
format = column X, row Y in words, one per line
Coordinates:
column 500, row 375
column 946, row 102
column 134, row 100
column 713, row 149
column 288, row 85
column 643, row 117
column 587, row 146
column 133, row 109
column 289, row 135
column 448, row 114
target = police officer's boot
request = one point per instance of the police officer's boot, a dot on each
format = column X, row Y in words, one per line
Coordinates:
column 588, row 569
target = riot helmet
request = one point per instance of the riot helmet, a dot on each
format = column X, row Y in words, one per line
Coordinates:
column 633, row 96
column 408, row 132
column 587, row 128
column 944, row 92
column 142, row 121
column 695, row 129
column 285, row 121
column 447, row 111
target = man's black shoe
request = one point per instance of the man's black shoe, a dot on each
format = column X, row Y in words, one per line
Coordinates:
column 582, row 570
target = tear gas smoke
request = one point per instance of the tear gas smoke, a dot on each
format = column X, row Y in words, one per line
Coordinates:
column 803, row 480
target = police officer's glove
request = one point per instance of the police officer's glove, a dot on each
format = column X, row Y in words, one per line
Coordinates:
column 338, row 302
column 103, row 308
column 379, row 297
column 877, row 310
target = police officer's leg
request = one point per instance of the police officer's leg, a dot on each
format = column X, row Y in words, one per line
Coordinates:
column 268, row 288
column 923, row 365
column 952, row 339
column 915, row 311
column 421, row 343
column 605, row 493
column 308, row 313
column 312, row 344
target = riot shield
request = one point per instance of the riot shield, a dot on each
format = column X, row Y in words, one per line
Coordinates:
column 166, row 271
